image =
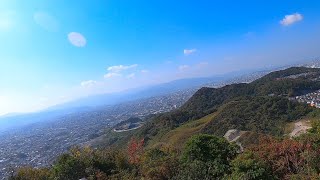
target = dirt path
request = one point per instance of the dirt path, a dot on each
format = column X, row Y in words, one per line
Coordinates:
column 299, row 128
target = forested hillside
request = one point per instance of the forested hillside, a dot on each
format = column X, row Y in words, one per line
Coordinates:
column 267, row 115
column 270, row 92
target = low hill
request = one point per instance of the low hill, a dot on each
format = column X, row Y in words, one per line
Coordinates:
column 259, row 115
column 289, row 82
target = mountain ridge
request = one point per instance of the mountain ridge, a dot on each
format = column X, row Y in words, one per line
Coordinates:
column 266, row 89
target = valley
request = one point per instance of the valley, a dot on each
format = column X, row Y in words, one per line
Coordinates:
column 39, row 144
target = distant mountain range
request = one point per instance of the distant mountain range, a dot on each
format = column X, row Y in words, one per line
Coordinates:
column 17, row 120
column 144, row 92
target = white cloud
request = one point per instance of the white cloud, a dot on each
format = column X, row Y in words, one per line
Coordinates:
column 189, row 51
column 77, row 39
column 112, row 74
column 89, row 83
column 132, row 75
column 144, row 71
column 183, row 67
column 114, row 71
column 121, row 68
column 46, row 21
column 291, row 19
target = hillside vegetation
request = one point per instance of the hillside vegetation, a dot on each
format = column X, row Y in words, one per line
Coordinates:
column 267, row 112
column 261, row 106
column 178, row 136
column 267, row 115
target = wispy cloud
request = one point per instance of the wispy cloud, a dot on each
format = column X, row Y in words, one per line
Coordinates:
column 88, row 83
column 189, row 51
column 131, row 76
column 202, row 64
column 77, row 39
column 115, row 71
column 46, row 21
column 183, row 67
column 112, row 74
column 121, row 68
column 291, row 19
column 144, row 71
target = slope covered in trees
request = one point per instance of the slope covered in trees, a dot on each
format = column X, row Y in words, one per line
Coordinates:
column 203, row 157
column 267, row 115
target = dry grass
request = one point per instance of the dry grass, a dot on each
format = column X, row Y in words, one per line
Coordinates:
column 180, row 135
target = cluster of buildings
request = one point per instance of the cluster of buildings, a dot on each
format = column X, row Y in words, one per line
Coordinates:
column 313, row 99
column 38, row 145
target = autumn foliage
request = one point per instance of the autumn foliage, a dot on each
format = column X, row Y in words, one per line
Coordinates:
column 204, row 157
column 290, row 157
column 135, row 150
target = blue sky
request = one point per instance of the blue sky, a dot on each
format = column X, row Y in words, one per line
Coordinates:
column 52, row 51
